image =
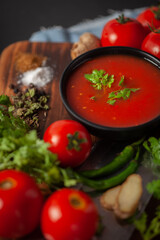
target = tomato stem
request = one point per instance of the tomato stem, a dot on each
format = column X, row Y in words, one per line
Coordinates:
column 122, row 19
column 75, row 141
column 153, row 29
column 156, row 12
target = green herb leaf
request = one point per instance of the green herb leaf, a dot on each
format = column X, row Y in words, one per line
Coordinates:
column 111, row 102
column 141, row 223
column 68, row 177
column 152, row 145
column 152, row 160
column 121, row 93
column 28, row 103
column 21, row 149
column 30, row 93
column 4, row 100
column 109, row 80
column 11, row 108
column 121, row 81
column 151, row 230
column 154, row 188
column 100, row 79
column 29, row 154
column 93, row 98
column 9, row 123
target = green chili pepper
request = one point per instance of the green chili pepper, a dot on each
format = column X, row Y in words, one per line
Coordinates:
column 112, row 181
column 117, row 163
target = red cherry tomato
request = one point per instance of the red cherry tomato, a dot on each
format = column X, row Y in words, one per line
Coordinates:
column 70, row 141
column 151, row 43
column 69, row 214
column 150, row 18
column 122, row 32
column 20, row 204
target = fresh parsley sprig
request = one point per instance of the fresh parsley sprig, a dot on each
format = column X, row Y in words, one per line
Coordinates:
column 120, row 84
column 121, row 93
column 100, row 79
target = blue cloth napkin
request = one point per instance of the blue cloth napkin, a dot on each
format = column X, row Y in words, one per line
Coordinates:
column 71, row 34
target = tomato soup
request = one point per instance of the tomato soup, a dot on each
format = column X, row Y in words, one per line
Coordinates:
column 141, row 105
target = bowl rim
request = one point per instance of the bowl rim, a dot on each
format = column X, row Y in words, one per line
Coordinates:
column 95, row 53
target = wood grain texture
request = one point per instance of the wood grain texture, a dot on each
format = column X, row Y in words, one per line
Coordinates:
column 58, row 55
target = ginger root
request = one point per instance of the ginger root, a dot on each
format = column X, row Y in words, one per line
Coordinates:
column 87, row 41
column 123, row 199
column 129, row 197
column 108, row 198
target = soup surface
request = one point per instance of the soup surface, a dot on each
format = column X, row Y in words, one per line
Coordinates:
column 139, row 106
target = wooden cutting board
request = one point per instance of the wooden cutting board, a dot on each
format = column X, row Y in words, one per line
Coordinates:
column 58, row 55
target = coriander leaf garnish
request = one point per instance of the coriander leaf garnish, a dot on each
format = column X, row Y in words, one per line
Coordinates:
column 121, row 93
column 100, row 79
column 121, row 81
column 110, row 80
column 111, row 102
column 93, row 98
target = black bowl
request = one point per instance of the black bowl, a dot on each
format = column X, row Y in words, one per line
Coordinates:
column 115, row 133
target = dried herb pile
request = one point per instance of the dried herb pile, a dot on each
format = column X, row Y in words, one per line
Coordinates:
column 27, row 104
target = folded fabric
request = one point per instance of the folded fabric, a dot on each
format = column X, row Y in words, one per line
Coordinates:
column 71, row 34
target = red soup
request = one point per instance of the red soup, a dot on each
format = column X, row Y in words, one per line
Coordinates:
column 115, row 90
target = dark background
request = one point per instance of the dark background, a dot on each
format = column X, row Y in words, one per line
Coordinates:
column 20, row 18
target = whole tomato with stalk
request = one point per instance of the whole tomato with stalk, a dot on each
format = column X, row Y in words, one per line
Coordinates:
column 70, row 140
column 123, row 31
column 69, row 214
column 150, row 18
column 20, row 204
column 151, row 43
